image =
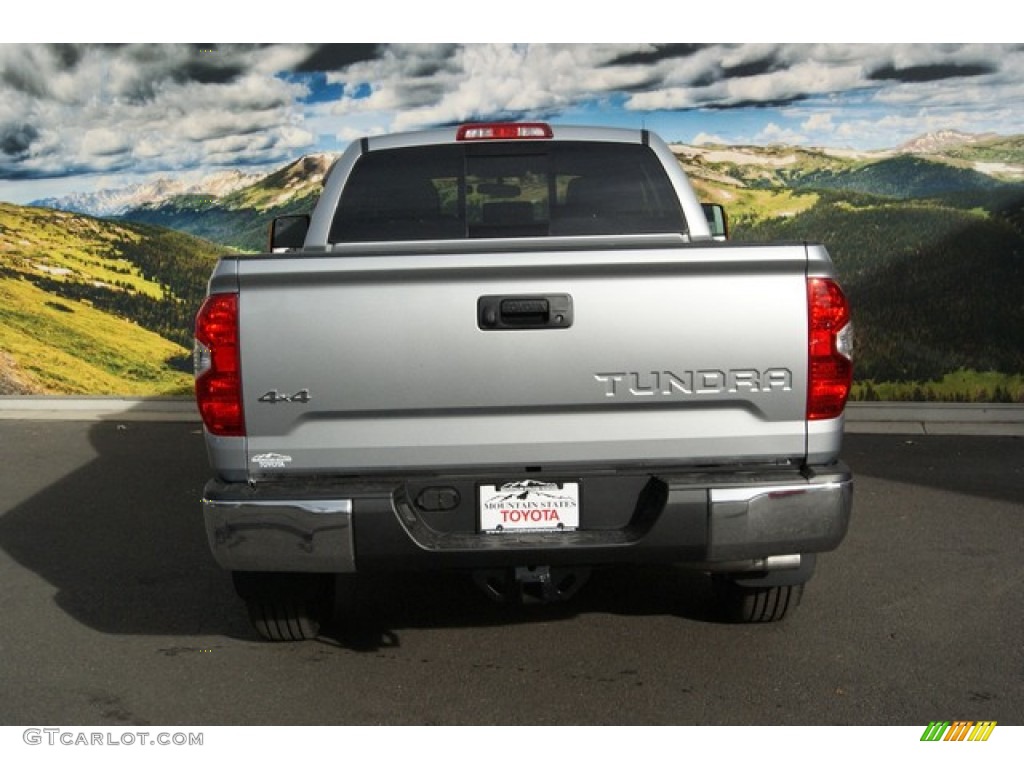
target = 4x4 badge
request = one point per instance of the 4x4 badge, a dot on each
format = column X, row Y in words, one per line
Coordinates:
column 273, row 397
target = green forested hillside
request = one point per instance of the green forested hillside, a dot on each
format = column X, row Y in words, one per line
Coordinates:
column 240, row 219
column 903, row 177
column 934, row 289
column 242, row 228
column 96, row 307
column 996, row 149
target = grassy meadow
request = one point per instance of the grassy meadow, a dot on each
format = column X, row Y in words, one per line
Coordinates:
column 90, row 307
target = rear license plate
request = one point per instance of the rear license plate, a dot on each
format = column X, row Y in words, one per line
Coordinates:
column 529, row 505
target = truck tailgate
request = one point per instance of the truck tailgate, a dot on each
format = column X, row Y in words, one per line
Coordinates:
column 390, row 363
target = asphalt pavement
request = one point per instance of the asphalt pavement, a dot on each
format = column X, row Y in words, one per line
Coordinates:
column 114, row 612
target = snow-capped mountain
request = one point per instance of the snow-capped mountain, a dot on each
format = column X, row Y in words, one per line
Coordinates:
column 114, row 202
column 938, row 141
column 298, row 179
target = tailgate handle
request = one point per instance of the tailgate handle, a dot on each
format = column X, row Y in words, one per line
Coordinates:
column 525, row 310
column 506, row 313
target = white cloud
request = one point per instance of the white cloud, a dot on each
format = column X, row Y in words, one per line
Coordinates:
column 145, row 108
column 776, row 134
column 820, row 122
column 150, row 107
column 104, row 141
column 707, row 138
column 419, row 86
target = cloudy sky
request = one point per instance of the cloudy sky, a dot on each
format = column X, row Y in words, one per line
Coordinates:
column 82, row 117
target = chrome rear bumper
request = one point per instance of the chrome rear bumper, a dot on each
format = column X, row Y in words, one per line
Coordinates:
column 709, row 521
column 302, row 536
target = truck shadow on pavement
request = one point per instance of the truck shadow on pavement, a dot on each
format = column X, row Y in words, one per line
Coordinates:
column 382, row 603
column 120, row 534
column 120, row 537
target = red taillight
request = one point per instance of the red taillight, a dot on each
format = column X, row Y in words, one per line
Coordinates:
column 830, row 349
column 218, row 371
column 492, row 131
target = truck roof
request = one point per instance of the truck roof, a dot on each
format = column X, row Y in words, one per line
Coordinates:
column 449, row 135
column 475, row 138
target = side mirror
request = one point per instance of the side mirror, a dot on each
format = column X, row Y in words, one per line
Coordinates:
column 717, row 223
column 288, row 233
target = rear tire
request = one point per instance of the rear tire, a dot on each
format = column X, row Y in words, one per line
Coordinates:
column 285, row 606
column 745, row 598
column 755, row 605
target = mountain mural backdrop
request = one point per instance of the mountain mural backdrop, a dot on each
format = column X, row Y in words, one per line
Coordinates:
column 98, row 291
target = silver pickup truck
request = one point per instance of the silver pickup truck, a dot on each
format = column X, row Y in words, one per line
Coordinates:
column 518, row 350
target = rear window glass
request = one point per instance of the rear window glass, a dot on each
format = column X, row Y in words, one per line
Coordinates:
column 506, row 189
